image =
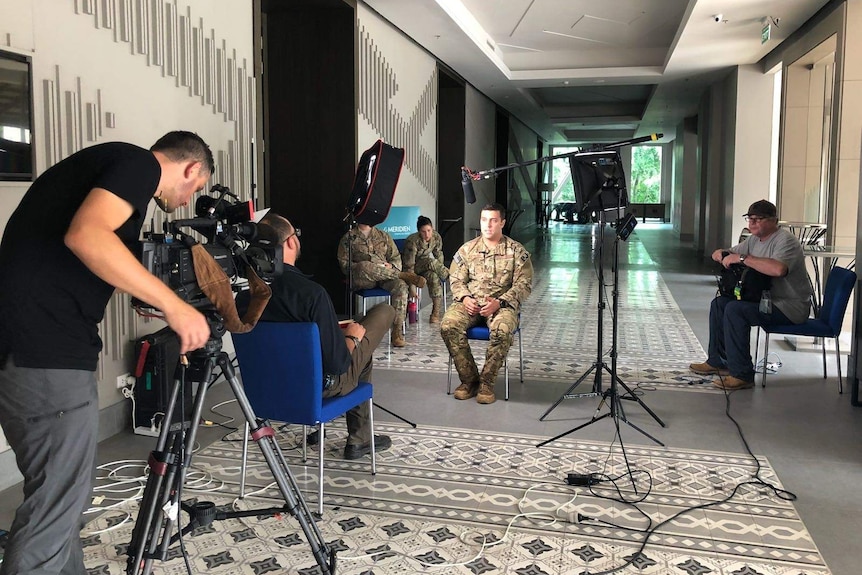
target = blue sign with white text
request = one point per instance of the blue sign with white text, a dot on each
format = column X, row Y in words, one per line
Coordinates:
column 401, row 222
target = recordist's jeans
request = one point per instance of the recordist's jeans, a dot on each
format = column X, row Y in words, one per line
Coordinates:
column 730, row 324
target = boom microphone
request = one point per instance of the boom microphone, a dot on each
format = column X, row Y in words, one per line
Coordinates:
column 467, row 186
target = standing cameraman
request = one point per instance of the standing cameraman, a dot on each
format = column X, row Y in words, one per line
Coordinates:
column 64, row 250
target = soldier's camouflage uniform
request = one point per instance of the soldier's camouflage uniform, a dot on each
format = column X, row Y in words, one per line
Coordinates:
column 369, row 256
column 426, row 259
column 504, row 272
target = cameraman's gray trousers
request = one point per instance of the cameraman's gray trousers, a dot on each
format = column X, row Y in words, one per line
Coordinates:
column 50, row 418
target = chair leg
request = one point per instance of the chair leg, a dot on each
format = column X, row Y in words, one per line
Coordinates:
column 244, row 460
column 521, row 354
column 506, row 367
column 304, row 443
column 838, row 363
column 765, row 356
column 449, row 378
column 320, row 440
column 371, row 425
column 757, row 348
column 823, row 350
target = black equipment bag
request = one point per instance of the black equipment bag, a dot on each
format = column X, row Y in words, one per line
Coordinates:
column 375, row 182
column 743, row 283
column 156, row 362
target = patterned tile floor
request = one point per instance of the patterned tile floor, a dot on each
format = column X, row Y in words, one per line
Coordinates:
column 439, row 492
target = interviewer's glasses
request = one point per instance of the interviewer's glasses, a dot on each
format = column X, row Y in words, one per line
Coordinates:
column 296, row 232
column 754, row 219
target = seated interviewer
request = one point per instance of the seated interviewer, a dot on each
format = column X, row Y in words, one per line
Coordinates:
column 347, row 353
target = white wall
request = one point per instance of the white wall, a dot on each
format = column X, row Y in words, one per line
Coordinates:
column 398, row 103
column 480, row 116
column 93, row 69
column 753, row 147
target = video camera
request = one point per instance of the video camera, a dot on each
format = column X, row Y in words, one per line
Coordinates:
column 232, row 241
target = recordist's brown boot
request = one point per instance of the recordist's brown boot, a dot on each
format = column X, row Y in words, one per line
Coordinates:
column 413, row 279
column 398, row 336
column 437, row 302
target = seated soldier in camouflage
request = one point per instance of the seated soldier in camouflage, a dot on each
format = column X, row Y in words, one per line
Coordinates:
column 377, row 263
column 491, row 276
column 423, row 254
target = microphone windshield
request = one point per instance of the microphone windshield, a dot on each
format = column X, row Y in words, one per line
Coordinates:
column 467, row 186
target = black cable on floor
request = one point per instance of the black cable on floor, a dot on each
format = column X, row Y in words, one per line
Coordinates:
column 758, row 482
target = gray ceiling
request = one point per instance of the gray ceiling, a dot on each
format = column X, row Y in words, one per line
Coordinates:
column 584, row 71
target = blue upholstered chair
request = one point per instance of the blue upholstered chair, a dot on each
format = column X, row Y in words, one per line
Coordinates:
column 372, row 292
column 282, row 375
column 827, row 324
column 482, row 333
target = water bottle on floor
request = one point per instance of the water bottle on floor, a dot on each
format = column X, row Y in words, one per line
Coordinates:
column 412, row 311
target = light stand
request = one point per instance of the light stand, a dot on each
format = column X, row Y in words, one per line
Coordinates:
column 351, row 219
column 611, row 396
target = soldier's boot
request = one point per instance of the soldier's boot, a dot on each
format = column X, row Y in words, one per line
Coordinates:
column 466, row 390
column 486, row 393
column 413, row 279
column 437, row 302
column 398, row 336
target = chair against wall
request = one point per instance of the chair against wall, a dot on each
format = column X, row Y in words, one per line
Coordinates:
column 282, row 373
column 827, row 324
column 483, row 333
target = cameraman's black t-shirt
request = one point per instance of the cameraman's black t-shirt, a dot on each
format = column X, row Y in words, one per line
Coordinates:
column 50, row 302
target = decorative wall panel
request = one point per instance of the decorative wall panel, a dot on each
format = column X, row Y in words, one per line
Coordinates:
column 378, row 85
column 191, row 57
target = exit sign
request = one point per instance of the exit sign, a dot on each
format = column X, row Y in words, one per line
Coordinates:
column 765, row 33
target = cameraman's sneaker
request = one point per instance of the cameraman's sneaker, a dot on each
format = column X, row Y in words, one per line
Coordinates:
column 706, row 369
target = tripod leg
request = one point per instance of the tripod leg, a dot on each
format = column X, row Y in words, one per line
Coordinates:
column 395, row 415
column 151, row 535
column 264, row 436
column 574, row 429
column 569, row 391
column 631, row 394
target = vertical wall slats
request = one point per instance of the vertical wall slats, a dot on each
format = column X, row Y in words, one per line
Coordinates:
column 378, row 84
column 193, row 58
column 52, row 156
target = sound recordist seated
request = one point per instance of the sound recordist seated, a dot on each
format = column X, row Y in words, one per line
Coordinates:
column 772, row 251
column 347, row 353
column 491, row 276
column 377, row 263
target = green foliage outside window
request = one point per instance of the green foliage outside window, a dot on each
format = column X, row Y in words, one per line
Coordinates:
column 646, row 175
column 562, row 176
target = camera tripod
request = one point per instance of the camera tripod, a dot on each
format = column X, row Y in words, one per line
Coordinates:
column 161, row 503
column 611, row 396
